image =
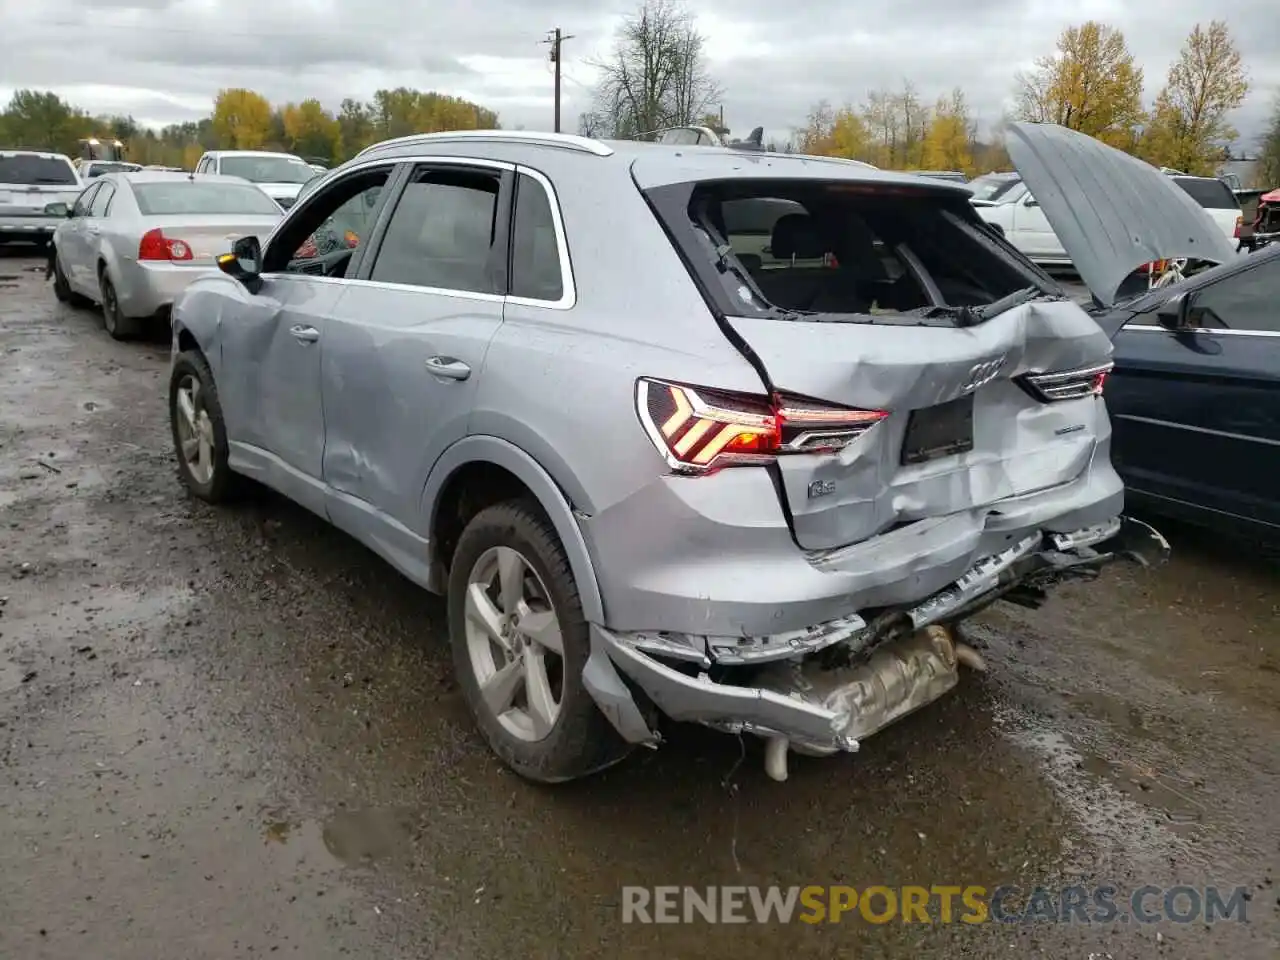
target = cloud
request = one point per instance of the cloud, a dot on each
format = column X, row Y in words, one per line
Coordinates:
column 164, row 60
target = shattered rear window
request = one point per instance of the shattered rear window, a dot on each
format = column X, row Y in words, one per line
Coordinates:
column 810, row 247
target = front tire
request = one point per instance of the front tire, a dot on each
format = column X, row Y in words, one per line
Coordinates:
column 118, row 325
column 61, row 286
column 199, row 430
column 520, row 643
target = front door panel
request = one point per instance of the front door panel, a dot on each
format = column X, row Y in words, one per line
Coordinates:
column 272, row 391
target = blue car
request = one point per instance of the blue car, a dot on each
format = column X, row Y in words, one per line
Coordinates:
column 1195, row 397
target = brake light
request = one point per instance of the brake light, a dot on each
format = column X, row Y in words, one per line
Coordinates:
column 1068, row 384
column 698, row 430
column 156, row 246
column 1239, row 224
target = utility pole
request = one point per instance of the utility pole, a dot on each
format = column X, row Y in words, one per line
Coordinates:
column 557, row 38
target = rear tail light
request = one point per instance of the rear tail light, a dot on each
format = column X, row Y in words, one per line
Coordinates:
column 1239, row 224
column 699, row 430
column 156, row 246
column 1068, row 384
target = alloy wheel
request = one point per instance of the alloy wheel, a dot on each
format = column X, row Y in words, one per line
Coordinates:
column 195, row 430
column 514, row 642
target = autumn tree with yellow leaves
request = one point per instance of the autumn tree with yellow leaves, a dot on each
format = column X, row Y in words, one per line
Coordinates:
column 1090, row 83
column 1188, row 129
column 948, row 142
column 311, row 130
column 241, row 119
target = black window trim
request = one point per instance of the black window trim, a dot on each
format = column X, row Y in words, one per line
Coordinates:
column 499, row 254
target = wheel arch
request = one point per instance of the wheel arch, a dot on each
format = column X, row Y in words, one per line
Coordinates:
column 491, row 469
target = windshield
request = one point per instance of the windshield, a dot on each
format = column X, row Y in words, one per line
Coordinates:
column 1208, row 192
column 162, row 199
column 791, row 248
column 268, row 169
column 28, row 168
column 992, row 186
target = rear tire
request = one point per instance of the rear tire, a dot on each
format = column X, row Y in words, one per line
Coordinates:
column 544, row 738
column 199, row 431
column 118, row 325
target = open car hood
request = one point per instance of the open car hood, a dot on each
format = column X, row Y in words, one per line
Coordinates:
column 1112, row 212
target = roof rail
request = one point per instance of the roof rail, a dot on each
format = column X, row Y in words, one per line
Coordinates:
column 566, row 141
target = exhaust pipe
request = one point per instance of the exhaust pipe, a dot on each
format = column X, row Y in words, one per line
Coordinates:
column 966, row 656
column 775, row 758
column 897, row 692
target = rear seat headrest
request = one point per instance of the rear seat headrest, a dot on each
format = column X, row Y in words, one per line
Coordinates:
column 796, row 235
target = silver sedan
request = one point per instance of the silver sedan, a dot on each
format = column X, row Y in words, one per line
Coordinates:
column 133, row 241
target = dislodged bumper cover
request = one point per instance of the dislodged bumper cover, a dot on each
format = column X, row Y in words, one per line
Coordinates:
column 776, row 708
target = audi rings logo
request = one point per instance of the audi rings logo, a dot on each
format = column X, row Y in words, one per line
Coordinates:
column 981, row 374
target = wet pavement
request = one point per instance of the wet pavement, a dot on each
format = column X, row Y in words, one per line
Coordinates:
column 234, row 733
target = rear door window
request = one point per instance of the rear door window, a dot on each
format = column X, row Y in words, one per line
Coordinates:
column 442, row 232
column 535, row 248
column 32, row 170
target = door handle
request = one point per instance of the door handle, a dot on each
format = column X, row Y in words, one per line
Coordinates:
column 448, row 367
column 304, row 334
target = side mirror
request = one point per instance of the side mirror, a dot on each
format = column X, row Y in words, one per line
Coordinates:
column 244, row 263
column 57, row 209
column 1172, row 314
column 1031, row 202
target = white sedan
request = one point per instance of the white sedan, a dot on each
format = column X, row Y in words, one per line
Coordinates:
column 133, row 241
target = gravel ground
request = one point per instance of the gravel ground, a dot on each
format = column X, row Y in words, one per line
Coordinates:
column 234, row 733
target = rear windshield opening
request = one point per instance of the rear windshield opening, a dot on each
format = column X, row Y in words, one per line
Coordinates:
column 826, row 247
column 32, row 170
column 1209, row 193
column 164, row 199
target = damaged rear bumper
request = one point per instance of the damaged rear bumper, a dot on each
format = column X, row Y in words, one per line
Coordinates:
column 828, row 708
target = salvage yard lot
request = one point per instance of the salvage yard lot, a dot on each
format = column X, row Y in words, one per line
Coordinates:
column 227, row 733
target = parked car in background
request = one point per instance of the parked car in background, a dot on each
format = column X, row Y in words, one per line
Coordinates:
column 280, row 175
column 29, row 181
column 132, row 242
column 1218, row 201
column 752, row 493
column 88, row 169
column 955, row 176
column 163, row 169
column 1003, row 200
column 1194, row 396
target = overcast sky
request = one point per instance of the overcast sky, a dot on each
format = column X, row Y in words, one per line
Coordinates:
column 163, row 60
